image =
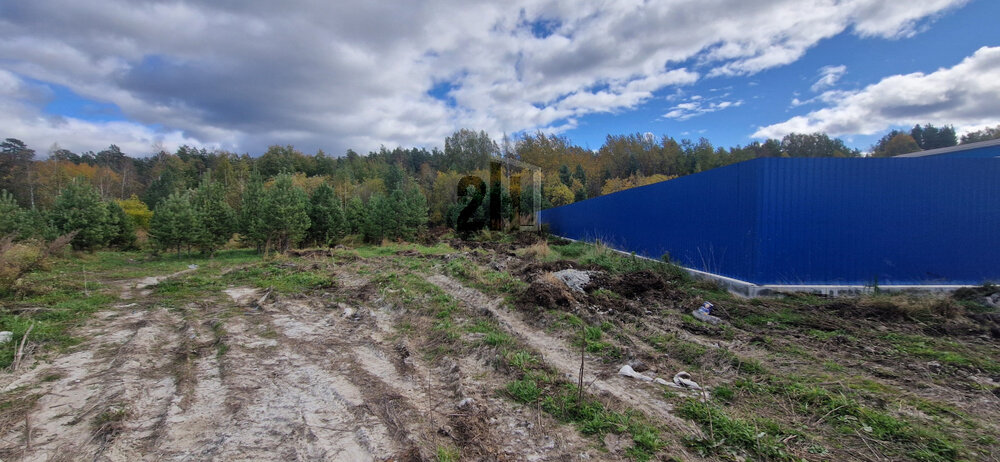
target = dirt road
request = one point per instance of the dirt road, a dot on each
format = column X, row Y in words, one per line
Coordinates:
column 286, row 379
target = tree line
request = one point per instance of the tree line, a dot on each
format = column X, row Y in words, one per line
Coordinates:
column 197, row 199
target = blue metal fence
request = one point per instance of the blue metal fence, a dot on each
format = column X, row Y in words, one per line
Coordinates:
column 811, row 221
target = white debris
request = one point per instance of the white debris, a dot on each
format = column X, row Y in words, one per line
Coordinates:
column 705, row 317
column 192, row 266
column 627, row 371
column 6, row 336
column 465, row 402
column 241, row 295
column 683, row 379
column 574, row 279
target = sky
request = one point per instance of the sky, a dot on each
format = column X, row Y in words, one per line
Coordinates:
column 242, row 75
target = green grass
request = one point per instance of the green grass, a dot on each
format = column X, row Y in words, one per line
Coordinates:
column 944, row 351
column 573, row 250
column 591, row 417
column 743, row 365
column 109, row 423
column 832, row 366
column 617, row 263
column 128, row 265
column 592, row 340
column 498, row 339
column 189, row 286
column 372, row 251
column 757, row 437
column 494, row 336
column 219, row 333
column 847, row 415
column 523, row 391
column 52, row 320
column 687, row 352
column 723, row 393
column 461, row 268
column 520, row 359
column 282, row 276
column 782, row 318
column 484, row 279
column 606, row 293
column 448, row 454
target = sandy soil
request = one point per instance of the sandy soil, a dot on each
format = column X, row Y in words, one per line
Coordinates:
column 299, row 379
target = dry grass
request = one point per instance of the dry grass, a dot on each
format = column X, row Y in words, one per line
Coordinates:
column 15, row 406
column 18, row 259
column 912, row 307
column 538, row 251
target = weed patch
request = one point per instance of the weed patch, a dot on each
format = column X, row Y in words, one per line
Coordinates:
column 726, row 433
column 51, row 323
column 590, row 416
column 849, row 416
column 687, row 352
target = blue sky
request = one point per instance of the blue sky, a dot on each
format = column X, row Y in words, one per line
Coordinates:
column 149, row 75
column 767, row 96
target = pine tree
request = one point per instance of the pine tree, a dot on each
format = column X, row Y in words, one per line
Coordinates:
column 564, row 175
column 394, row 224
column 580, row 174
column 355, row 216
column 325, row 216
column 378, row 219
column 251, row 223
column 415, row 213
column 121, row 229
column 169, row 181
column 214, row 218
column 10, row 214
column 287, row 213
column 173, row 222
column 79, row 208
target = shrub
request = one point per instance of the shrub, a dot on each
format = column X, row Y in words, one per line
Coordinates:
column 17, row 260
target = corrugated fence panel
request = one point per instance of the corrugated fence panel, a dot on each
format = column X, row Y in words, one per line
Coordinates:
column 891, row 221
column 704, row 221
column 979, row 153
column 811, row 221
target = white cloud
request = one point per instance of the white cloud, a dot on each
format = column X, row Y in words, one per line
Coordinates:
column 966, row 95
column 828, row 77
column 697, row 106
column 20, row 118
column 357, row 73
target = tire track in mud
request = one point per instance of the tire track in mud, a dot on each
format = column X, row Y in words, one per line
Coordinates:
column 283, row 390
column 458, row 393
column 566, row 360
column 104, row 403
column 153, row 377
column 302, row 379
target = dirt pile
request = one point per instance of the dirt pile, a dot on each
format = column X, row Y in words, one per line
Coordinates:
column 638, row 293
column 546, row 292
column 630, row 285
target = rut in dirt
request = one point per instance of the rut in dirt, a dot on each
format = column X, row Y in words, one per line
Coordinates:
column 565, row 359
column 151, row 384
column 249, row 375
